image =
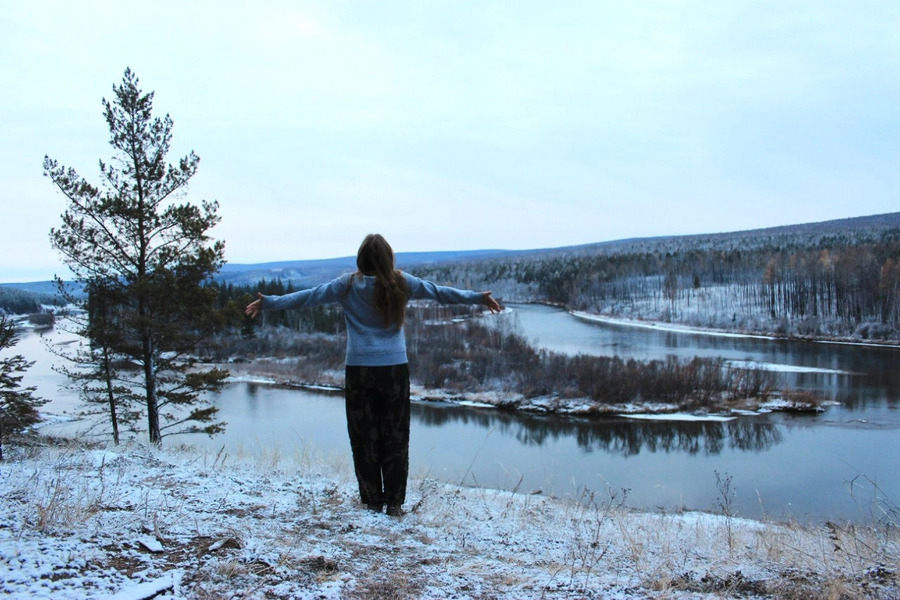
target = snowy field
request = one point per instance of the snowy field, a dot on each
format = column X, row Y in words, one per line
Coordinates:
column 135, row 522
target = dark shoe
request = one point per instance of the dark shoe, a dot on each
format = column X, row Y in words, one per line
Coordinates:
column 395, row 510
column 374, row 507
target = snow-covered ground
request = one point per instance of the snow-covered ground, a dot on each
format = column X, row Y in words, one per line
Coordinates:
column 138, row 522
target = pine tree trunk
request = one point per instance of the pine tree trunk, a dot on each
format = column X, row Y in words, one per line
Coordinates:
column 150, row 386
column 111, row 397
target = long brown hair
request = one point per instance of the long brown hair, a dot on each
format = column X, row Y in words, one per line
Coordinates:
column 376, row 257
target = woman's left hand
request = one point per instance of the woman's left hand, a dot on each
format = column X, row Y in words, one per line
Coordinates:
column 254, row 307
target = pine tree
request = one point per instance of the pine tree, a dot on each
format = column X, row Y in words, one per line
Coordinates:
column 93, row 366
column 150, row 257
column 18, row 405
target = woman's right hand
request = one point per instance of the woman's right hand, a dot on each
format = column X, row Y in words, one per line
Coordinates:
column 489, row 301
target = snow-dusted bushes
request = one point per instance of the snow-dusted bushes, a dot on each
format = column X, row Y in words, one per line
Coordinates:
column 474, row 357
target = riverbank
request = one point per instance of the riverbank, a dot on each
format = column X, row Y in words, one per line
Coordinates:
column 281, row 371
column 177, row 523
column 695, row 330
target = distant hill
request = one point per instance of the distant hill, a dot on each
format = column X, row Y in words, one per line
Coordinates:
column 34, row 287
column 310, row 272
column 796, row 235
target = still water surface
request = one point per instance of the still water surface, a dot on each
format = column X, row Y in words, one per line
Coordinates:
column 842, row 464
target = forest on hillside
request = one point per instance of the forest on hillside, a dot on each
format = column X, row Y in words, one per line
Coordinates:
column 825, row 284
column 19, row 302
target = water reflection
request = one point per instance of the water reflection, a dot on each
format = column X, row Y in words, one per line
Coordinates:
column 618, row 436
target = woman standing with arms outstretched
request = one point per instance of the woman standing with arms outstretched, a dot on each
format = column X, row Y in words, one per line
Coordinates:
column 374, row 301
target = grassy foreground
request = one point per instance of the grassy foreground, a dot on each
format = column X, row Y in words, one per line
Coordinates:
column 137, row 522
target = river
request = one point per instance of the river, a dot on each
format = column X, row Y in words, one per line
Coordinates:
column 838, row 465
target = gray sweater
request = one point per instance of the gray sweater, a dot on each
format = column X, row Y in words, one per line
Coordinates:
column 369, row 342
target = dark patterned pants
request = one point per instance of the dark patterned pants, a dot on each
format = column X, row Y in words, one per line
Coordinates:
column 377, row 401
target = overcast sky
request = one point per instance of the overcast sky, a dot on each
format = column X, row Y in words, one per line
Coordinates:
column 462, row 124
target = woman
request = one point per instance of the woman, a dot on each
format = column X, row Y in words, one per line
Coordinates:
column 377, row 375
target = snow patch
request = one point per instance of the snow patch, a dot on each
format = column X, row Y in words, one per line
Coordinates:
column 677, row 417
column 781, row 368
column 474, row 404
column 151, row 589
